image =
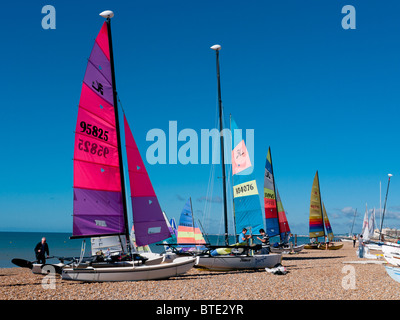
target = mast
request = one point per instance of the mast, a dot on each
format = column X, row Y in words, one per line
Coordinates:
column 384, row 207
column 109, row 15
column 217, row 48
column 354, row 219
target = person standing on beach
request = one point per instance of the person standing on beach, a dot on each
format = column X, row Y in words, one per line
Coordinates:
column 41, row 249
column 265, row 245
column 361, row 247
column 354, row 241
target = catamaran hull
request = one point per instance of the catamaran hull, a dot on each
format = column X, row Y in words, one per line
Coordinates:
column 394, row 273
column 287, row 249
column 130, row 273
column 222, row 263
column 322, row 246
column 38, row 268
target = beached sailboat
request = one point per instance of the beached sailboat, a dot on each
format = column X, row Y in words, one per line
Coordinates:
column 189, row 236
column 275, row 216
column 100, row 202
column 319, row 221
column 247, row 208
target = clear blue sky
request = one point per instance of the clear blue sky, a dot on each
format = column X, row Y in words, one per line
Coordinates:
column 322, row 97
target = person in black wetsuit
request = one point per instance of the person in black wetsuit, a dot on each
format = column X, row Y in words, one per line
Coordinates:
column 41, row 250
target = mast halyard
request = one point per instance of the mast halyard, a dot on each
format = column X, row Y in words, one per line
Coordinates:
column 115, row 100
column 217, row 48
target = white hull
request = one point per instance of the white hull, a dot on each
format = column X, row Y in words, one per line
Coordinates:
column 130, row 272
column 394, row 273
column 391, row 254
column 37, row 268
column 239, row 262
column 287, row 249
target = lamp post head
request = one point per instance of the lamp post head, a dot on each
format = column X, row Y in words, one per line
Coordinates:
column 216, row 47
column 390, row 175
column 107, row 14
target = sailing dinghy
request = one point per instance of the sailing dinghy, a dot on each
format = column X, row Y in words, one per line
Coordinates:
column 275, row 216
column 247, row 208
column 100, row 204
column 319, row 218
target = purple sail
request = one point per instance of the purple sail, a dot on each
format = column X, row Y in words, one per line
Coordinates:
column 148, row 219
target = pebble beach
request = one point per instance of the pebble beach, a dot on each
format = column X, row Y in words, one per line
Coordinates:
column 311, row 275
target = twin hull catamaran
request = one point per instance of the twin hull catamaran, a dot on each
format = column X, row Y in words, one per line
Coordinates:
column 319, row 218
column 100, row 204
column 247, row 209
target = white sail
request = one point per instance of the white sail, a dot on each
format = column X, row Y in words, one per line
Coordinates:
column 365, row 229
column 371, row 224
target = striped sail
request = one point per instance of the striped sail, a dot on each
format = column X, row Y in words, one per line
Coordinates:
column 148, row 218
column 316, row 219
column 284, row 229
column 270, row 203
column 327, row 224
column 247, row 207
column 97, row 207
column 189, row 234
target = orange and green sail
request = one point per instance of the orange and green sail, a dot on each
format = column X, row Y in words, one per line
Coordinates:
column 316, row 218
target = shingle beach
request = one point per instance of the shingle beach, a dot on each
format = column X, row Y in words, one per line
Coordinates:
column 312, row 275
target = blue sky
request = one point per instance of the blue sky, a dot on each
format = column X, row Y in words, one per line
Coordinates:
column 322, row 97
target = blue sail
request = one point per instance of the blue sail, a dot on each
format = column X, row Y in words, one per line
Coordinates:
column 246, row 199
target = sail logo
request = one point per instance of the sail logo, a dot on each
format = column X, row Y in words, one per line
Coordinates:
column 200, row 151
column 98, row 87
column 100, row 223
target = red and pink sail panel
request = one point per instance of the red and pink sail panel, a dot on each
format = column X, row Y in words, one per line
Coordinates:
column 149, row 221
column 98, row 207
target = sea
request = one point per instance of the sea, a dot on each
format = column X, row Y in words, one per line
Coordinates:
column 21, row 245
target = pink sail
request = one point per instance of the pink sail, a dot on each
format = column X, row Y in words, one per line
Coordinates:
column 98, row 208
column 149, row 221
column 240, row 158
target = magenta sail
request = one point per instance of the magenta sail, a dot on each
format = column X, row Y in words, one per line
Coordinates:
column 98, row 206
column 148, row 219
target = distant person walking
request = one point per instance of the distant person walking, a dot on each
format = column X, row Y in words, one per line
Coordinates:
column 354, row 241
column 41, row 250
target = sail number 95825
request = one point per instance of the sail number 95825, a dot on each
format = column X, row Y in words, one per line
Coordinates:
column 94, row 131
column 93, row 148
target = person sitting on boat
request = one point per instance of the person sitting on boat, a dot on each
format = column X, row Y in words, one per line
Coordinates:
column 243, row 237
column 265, row 245
column 41, row 250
